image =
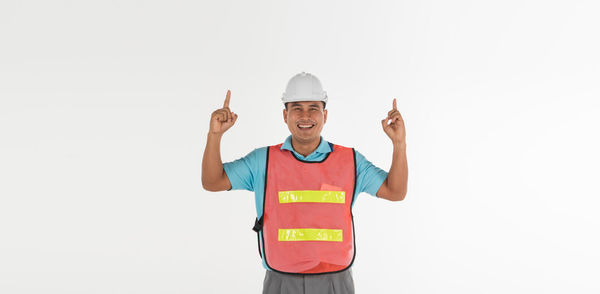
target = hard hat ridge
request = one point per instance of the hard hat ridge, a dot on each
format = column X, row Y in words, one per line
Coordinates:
column 304, row 87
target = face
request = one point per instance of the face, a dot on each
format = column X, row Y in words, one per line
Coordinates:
column 305, row 119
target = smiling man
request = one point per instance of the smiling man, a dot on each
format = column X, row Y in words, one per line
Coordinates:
column 304, row 190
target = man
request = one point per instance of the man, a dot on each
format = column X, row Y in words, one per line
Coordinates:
column 304, row 191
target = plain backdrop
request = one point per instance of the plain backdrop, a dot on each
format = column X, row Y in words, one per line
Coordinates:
column 105, row 107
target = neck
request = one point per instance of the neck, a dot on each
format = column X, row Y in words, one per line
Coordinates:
column 305, row 148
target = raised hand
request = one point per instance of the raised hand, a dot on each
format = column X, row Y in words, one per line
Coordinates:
column 395, row 129
column 222, row 119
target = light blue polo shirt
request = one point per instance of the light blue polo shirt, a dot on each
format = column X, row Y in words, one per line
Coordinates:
column 248, row 173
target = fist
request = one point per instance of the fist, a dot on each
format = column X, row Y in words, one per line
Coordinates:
column 222, row 119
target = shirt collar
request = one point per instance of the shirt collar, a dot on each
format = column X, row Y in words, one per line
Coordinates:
column 322, row 148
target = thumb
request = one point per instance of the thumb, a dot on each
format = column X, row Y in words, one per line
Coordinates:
column 384, row 122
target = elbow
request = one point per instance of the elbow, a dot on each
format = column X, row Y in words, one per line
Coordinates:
column 399, row 196
column 208, row 187
column 393, row 196
column 387, row 193
column 395, row 191
column 216, row 186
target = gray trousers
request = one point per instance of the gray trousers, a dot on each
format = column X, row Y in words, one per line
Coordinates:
column 277, row 283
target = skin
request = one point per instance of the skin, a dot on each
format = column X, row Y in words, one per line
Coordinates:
column 305, row 112
column 305, row 142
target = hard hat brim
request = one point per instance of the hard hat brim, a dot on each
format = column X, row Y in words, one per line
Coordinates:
column 287, row 99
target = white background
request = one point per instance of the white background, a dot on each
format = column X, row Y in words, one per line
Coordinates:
column 104, row 112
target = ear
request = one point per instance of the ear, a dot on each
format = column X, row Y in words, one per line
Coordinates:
column 285, row 115
column 324, row 116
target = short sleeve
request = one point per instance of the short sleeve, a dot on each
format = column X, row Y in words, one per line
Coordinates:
column 241, row 172
column 368, row 176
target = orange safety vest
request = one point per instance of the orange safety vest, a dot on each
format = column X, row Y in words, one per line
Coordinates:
column 307, row 223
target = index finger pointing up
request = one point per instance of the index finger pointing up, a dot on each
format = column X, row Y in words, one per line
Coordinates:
column 226, row 104
column 395, row 104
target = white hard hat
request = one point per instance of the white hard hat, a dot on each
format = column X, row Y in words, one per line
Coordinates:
column 304, row 87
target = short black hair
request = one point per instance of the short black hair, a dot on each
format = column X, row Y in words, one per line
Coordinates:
column 324, row 104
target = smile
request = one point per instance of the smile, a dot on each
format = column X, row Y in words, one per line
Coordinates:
column 305, row 126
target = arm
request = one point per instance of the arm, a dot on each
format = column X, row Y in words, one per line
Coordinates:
column 213, row 175
column 395, row 185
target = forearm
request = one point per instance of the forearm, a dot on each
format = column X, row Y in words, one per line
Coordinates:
column 212, row 166
column 397, row 178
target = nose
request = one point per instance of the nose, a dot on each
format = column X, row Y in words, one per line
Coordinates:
column 306, row 114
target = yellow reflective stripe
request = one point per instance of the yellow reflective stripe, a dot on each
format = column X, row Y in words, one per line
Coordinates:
column 312, row 196
column 310, row 235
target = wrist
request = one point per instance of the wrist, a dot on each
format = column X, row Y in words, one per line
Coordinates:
column 399, row 144
column 214, row 136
